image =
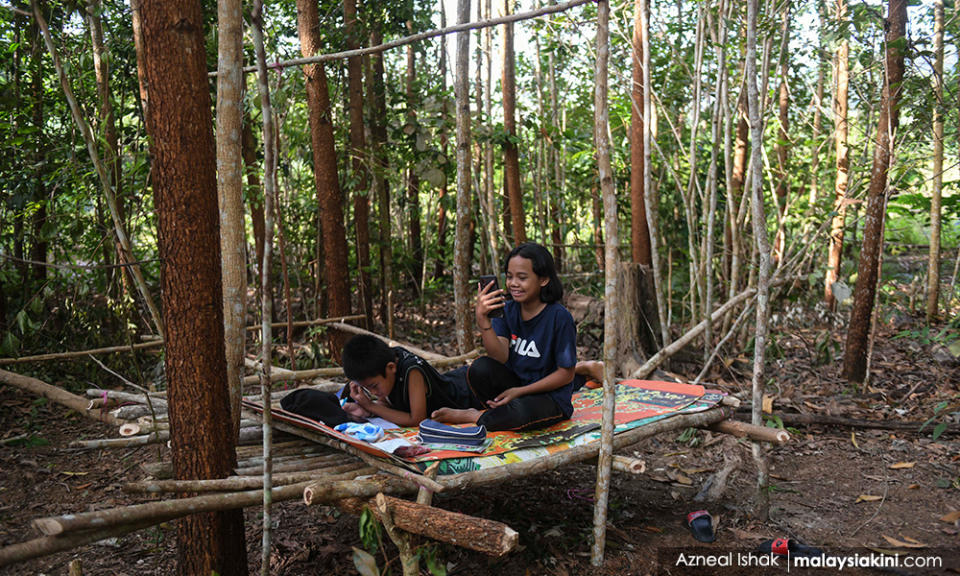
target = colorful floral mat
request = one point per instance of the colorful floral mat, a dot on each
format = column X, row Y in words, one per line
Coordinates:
column 639, row 402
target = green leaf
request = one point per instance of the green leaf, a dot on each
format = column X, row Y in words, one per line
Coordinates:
column 940, row 429
column 365, row 562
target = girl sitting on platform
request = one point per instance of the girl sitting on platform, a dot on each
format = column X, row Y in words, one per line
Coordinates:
column 531, row 370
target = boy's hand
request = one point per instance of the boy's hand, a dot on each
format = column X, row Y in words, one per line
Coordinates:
column 360, row 396
column 505, row 397
column 356, row 411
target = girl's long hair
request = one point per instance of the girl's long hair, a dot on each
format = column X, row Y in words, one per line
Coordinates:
column 543, row 266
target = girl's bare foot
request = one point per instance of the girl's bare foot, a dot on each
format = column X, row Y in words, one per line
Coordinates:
column 592, row 369
column 456, row 416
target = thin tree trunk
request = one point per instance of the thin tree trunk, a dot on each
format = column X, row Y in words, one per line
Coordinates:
column 651, row 201
column 39, row 244
column 413, row 178
column 329, row 195
column 639, row 231
column 689, row 202
column 933, row 267
column 266, row 291
column 233, row 238
column 712, row 185
column 783, row 140
column 763, row 248
column 360, row 192
column 601, row 136
column 864, row 293
column 841, row 130
column 556, row 193
column 438, row 270
column 377, row 103
column 511, row 157
column 817, row 113
column 462, row 295
column 185, row 196
column 488, row 169
column 102, row 175
column 101, row 67
column 249, row 151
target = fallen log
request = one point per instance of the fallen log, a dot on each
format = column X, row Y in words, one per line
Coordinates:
column 164, row 470
column 487, row 536
column 161, row 511
column 157, row 400
column 79, row 353
column 238, row 483
column 55, row 394
column 745, row 430
column 46, row 545
column 828, row 420
column 295, row 464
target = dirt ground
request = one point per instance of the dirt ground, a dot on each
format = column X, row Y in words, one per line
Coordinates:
column 844, row 490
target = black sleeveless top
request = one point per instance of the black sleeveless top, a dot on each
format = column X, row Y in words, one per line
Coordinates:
column 448, row 390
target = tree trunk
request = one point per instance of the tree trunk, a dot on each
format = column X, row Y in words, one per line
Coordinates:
column 233, row 237
column 413, row 178
column 361, row 196
column 377, row 103
column 438, row 270
column 783, row 140
column 639, row 231
column 101, row 67
column 601, row 134
column 185, row 196
column 933, row 267
column 855, row 355
column 763, row 249
column 841, row 130
column 39, row 244
column 462, row 295
column 556, row 193
column 329, row 195
column 511, row 157
column 817, row 113
column 249, row 150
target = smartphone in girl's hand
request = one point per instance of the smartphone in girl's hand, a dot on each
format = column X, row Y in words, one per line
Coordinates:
column 484, row 280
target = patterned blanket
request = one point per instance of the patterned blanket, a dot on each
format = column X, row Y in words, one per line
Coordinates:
column 639, row 402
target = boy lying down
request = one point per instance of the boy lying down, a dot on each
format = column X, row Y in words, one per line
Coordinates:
column 398, row 386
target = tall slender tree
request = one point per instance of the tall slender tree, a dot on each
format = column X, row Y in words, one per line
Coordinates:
column 864, row 293
column 360, row 180
column 329, row 195
column 841, row 131
column 511, row 155
column 233, row 241
column 185, row 196
column 462, row 244
column 936, row 198
column 783, row 135
column 377, row 103
column 413, row 176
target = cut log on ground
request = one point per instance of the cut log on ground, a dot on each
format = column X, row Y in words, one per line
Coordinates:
column 55, row 394
column 479, row 534
column 326, row 492
column 745, row 430
column 628, row 465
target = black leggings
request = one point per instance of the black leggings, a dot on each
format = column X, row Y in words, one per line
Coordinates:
column 488, row 378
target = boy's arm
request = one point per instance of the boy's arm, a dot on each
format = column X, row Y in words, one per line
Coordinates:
column 417, row 397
